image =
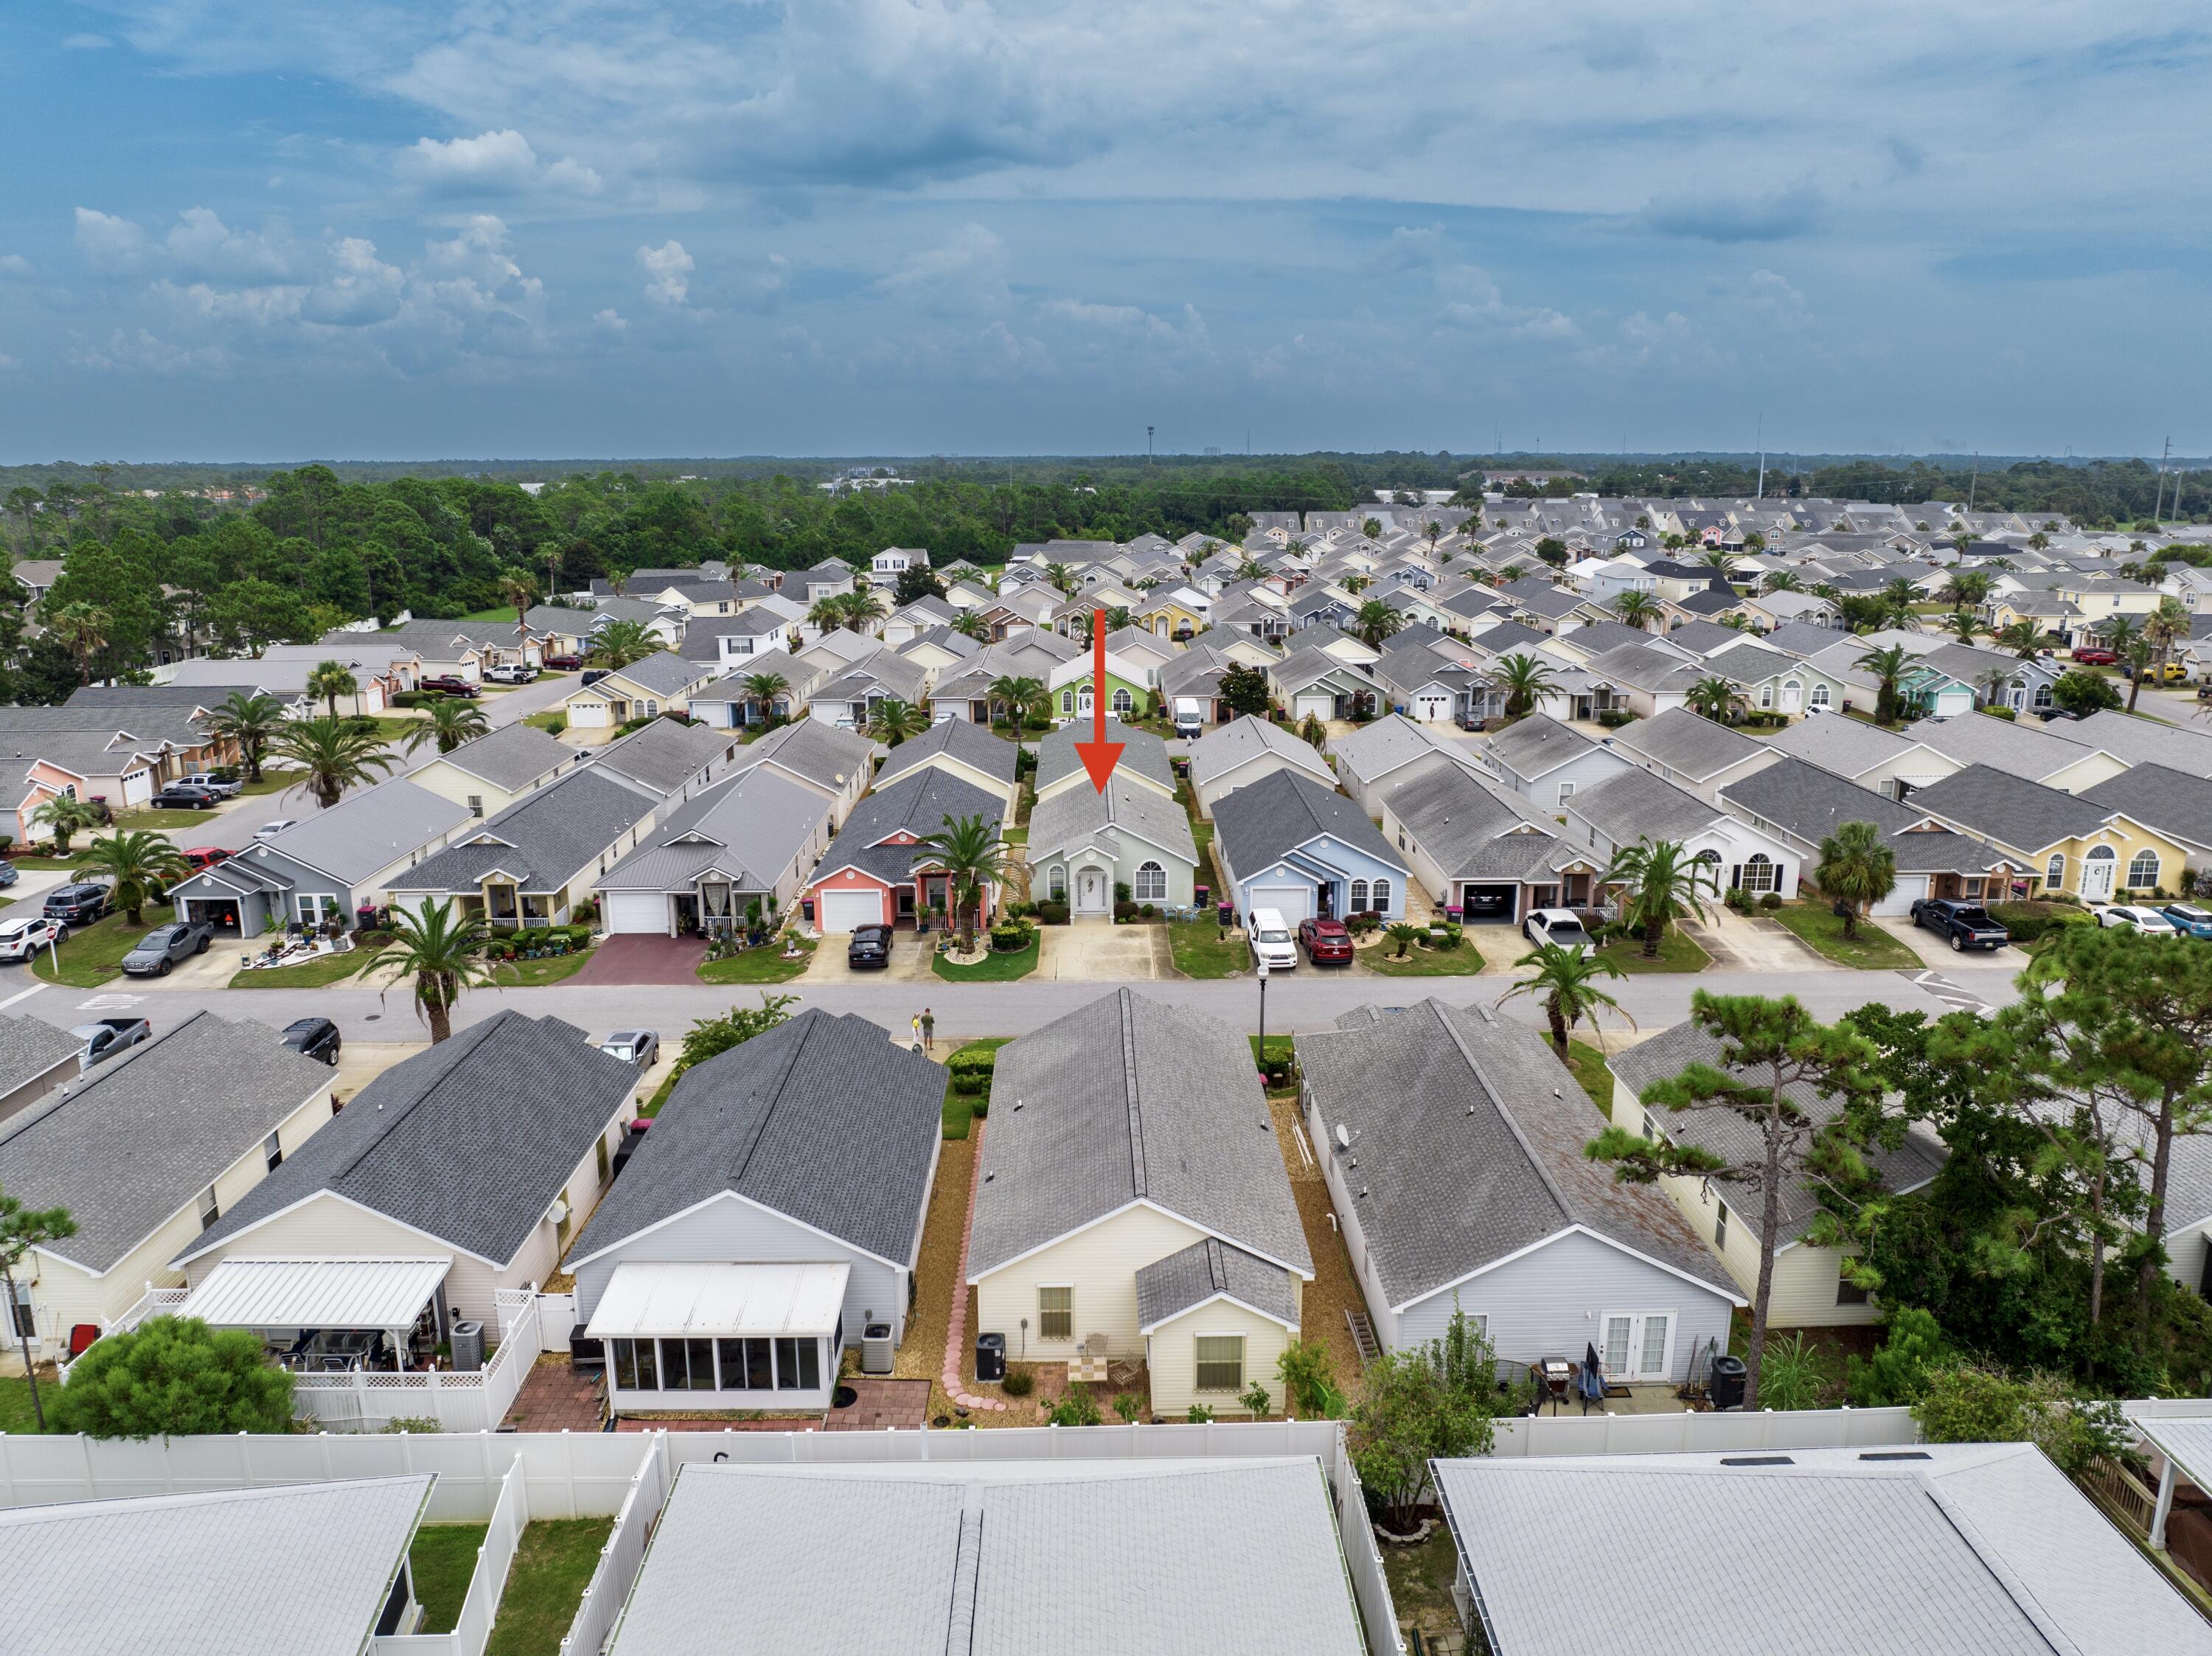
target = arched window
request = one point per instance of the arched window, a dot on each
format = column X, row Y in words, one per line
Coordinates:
column 1067, row 700
column 1820, row 696
column 1057, row 880
column 649, row 708
column 2043, row 694
column 2142, row 871
column 1151, row 884
column 1357, row 904
column 2054, row 873
column 1767, row 695
column 1379, row 897
column 1759, row 873
column 1124, row 704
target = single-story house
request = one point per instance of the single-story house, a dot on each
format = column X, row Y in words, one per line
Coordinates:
column 874, row 875
column 1128, row 685
column 1084, row 843
column 1451, row 1141
column 1809, row 1290
column 146, row 1151
column 535, row 861
column 1639, row 805
column 2061, row 842
column 645, row 690
column 2024, row 750
column 123, row 769
column 2168, row 802
column 752, row 836
column 1286, row 843
column 1922, row 689
column 1768, row 610
column 1244, row 751
column 1370, row 759
column 1476, row 846
column 1646, row 680
column 1891, row 764
column 1131, row 1193
column 966, row 752
column 1312, row 683
column 668, row 761
column 835, row 763
column 35, row 1057
column 491, row 773
column 282, row 672
column 1548, row 762
column 2147, row 741
column 849, row 698
column 1774, row 683
column 484, row 1153
column 773, row 1213
column 1143, row 760
column 1696, row 754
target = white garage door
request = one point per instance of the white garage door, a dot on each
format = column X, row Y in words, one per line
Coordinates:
column 1293, row 902
column 1317, row 706
column 637, row 911
column 1899, row 900
column 841, row 910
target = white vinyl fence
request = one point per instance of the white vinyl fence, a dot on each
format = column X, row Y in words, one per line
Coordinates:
column 1688, row 1432
column 623, row 1556
column 367, row 1401
column 473, row 1628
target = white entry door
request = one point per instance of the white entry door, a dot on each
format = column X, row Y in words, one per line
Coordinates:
column 2096, row 873
column 1638, row 1345
column 1090, row 892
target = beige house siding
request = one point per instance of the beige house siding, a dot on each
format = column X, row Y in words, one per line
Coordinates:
column 457, row 786
column 1805, row 1277
column 65, row 1293
column 1101, row 1263
column 1171, row 1356
column 2084, row 773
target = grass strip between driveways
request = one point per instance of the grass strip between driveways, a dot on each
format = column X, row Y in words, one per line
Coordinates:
column 1201, row 951
column 1873, row 951
column 765, row 964
column 1422, row 961
column 1677, row 953
column 316, row 974
column 93, row 955
column 993, row 968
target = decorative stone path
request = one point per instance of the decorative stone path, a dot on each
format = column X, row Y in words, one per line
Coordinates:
column 955, row 1329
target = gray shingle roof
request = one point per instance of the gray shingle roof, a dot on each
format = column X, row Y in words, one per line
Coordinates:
column 822, row 1119
column 814, row 749
column 368, row 831
column 918, row 804
column 1636, row 804
column 2172, row 801
column 955, row 738
column 1082, row 815
column 665, row 673
column 511, row 757
column 1538, row 744
column 2023, row 750
column 2008, row 809
column 31, row 1048
column 1128, row 1099
column 1469, row 1135
column 1220, row 751
column 541, row 838
column 752, row 825
column 1666, row 1054
column 1811, row 804
column 1473, row 829
column 1168, row 1287
column 1849, row 746
column 664, row 754
column 469, row 1142
column 138, row 1137
column 1644, row 667
column 2147, row 741
column 1368, row 752
column 1258, row 824
column 1143, row 753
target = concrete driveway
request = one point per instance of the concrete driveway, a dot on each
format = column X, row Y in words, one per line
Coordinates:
column 1940, row 954
column 909, row 960
column 1099, row 951
column 1741, row 944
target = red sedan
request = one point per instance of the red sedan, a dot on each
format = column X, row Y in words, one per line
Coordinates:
column 1327, row 942
column 2094, row 655
column 206, row 857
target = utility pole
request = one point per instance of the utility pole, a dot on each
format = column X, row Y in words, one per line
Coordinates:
column 1148, row 446
column 1974, row 480
column 2159, row 500
column 1762, row 440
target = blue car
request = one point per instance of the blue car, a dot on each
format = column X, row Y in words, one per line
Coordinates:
column 2187, row 917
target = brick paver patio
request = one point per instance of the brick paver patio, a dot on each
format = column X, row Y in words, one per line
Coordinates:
column 556, row 1397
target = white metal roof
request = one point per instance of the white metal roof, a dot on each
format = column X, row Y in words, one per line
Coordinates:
column 316, row 1293
column 644, row 1297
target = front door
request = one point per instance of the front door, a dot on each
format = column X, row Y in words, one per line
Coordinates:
column 2096, row 873
column 1090, row 891
column 1638, row 1345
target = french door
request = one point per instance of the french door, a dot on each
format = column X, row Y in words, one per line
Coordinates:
column 1638, row 1345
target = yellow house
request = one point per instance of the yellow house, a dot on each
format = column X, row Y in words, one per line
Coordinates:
column 146, row 1151
column 490, row 774
column 1179, row 614
column 1132, row 1206
column 2068, row 842
column 1808, row 1289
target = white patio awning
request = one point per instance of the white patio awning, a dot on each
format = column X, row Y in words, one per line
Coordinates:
column 644, row 1299
column 316, row 1293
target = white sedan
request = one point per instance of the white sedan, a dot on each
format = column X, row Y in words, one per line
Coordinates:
column 20, row 940
column 1556, row 925
column 271, row 830
column 2146, row 920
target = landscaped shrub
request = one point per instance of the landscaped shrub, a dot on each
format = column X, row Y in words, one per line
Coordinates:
column 1363, row 922
column 1771, row 902
column 1148, row 911
column 1613, row 718
column 1078, row 1407
column 2026, row 922
column 2005, row 713
column 1125, row 910
column 1053, row 910
column 971, row 1072
column 1010, row 936
column 1121, row 893
column 1018, row 1383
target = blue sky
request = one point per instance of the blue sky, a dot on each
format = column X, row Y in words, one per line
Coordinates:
column 239, row 229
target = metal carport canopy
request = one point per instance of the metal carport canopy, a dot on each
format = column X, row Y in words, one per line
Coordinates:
column 316, row 1293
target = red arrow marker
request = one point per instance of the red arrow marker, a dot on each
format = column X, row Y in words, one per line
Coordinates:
column 1099, row 756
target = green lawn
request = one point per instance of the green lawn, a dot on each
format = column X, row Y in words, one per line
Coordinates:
column 443, row 1558
column 552, row 722
column 94, row 955
column 547, row 968
column 1873, row 949
column 308, row 974
column 1201, row 951
column 993, row 968
column 763, row 964
column 1676, row 953
column 1589, row 1065
column 1420, row 962
column 15, row 1414
column 145, row 817
column 1015, row 836
column 271, row 782
column 551, row 1569
column 503, row 613
column 50, row 865
column 960, row 1108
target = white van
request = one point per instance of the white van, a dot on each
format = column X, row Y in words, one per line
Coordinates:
column 1273, row 940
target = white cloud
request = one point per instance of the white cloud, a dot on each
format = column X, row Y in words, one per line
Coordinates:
column 86, row 43
column 109, row 246
column 667, row 272
column 140, row 351
column 201, row 244
column 613, row 321
column 498, row 162
column 14, row 265
column 359, row 290
column 967, row 271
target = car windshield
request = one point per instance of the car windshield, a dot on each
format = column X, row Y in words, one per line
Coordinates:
column 1273, row 935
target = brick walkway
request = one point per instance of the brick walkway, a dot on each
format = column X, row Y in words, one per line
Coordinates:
column 557, row 1398
column 956, row 1332
column 639, row 958
column 883, row 1404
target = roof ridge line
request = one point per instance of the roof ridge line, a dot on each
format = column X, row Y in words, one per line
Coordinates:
column 391, row 1119
column 1567, row 1209
column 744, row 1156
column 1139, row 1180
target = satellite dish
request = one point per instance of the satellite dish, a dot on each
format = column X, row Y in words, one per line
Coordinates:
column 1343, row 1138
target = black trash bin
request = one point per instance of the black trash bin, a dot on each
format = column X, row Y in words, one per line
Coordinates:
column 1727, row 1382
column 991, row 1358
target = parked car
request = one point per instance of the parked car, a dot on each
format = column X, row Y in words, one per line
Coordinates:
column 2149, row 921
column 871, row 947
column 593, row 675
column 1964, row 925
column 223, row 787
column 2094, row 655
column 316, row 1038
column 638, row 1047
column 76, row 905
column 20, row 940
column 165, row 945
column 515, row 674
column 2172, row 672
column 1327, row 944
column 449, row 684
column 1273, row 943
column 179, row 797
column 2187, row 917
column 270, row 829
column 1562, row 927
column 9, row 874
column 206, row 857
column 104, row 1038
column 1489, row 903
column 564, row 663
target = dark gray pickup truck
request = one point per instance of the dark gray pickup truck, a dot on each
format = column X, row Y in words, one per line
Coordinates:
column 1964, row 925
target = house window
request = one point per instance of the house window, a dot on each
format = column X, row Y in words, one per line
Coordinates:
column 2054, row 876
column 1567, row 791
column 209, row 1211
column 1124, row 704
column 1720, row 1226
column 24, row 1323
column 648, row 708
column 2142, row 870
column 1820, row 696
column 1759, row 873
column 476, row 804
column 313, row 905
column 1220, row 1363
column 1358, row 903
column 636, row 1369
column 272, row 1152
column 1849, row 1292
column 1067, row 702
column 1638, row 1345
column 1055, row 1313
column 1057, row 881
column 1151, row 884
column 2042, row 696
column 1767, row 695
column 1379, row 897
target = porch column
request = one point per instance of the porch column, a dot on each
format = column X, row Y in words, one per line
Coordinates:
column 2164, row 1508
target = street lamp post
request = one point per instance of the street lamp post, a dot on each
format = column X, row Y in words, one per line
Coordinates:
column 1263, row 1064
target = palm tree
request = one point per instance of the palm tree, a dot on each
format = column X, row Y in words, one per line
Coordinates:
column 334, row 755
column 1061, row 578
column 1251, row 569
column 1856, row 868
column 1356, row 585
column 519, row 589
column 1664, row 882
column 1966, row 589
column 1962, row 626
column 826, row 615
column 2139, row 655
column 619, row 643
column 1374, row 621
column 442, row 951
column 140, row 865
column 762, row 690
column 2021, row 638
column 1888, row 666
column 1405, row 935
column 1716, row 698
column 1993, row 681
column 969, row 624
column 2165, row 625
column 973, row 855
column 892, row 721
column 1637, row 610
column 1720, row 558
column 1900, row 594
column 250, row 720
column 860, row 607
column 1523, row 678
column 449, row 722
column 330, row 680
column 63, row 815
column 82, row 628
column 1566, row 979
column 1781, row 580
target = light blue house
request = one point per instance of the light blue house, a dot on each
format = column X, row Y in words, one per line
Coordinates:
column 1288, row 844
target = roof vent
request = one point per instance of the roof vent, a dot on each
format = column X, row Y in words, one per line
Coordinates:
column 1757, row 1460
column 1897, row 1454
column 1018, row 1103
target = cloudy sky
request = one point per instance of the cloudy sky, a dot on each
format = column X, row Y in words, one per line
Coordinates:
column 245, row 229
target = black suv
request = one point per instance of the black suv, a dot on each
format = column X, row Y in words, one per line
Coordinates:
column 76, row 905
column 1964, row 925
column 871, row 947
column 316, row 1038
